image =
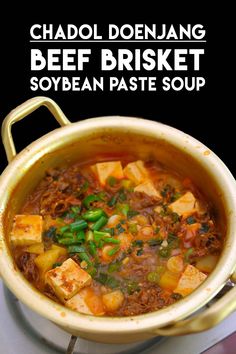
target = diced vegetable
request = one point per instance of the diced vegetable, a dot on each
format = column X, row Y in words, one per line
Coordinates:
column 27, row 230
column 67, row 279
column 136, row 172
column 190, row 280
column 45, row 261
column 113, row 301
column 106, row 169
column 148, row 188
column 207, row 263
column 169, row 280
column 37, row 248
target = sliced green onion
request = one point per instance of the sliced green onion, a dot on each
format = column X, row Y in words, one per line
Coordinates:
column 153, row 277
column 164, row 252
column 89, row 236
column 111, row 240
column 119, row 228
column 76, row 249
column 113, row 267
column 111, row 181
column 111, row 230
column 122, row 195
column 83, row 188
column 90, row 199
column 113, row 200
column 138, row 243
column 188, row 254
column 98, row 235
column 78, row 225
column 132, row 213
column 84, row 257
column 93, row 215
column 191, row 220
column 102, row 221
column 57, row 264
column 80, row 236
column 68, row 234
column 92, row 248
column 64, row 228
column 113, row 251
column 67, row 241
column 133, row 229
column 123, row 208
column 155, row 242
column 76, row 209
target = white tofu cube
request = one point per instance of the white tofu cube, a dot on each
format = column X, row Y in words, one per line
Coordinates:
column 136, row 172
column 27, row 230
column 77, row 303
column 148, row 188
column 67, row 279
column 106, row 169
column 185, row 205
column 189, row 280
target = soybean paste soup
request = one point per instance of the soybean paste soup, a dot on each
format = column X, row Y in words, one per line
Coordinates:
column 115, row 238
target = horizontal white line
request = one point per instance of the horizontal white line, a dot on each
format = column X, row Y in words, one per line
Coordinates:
column 115, row 41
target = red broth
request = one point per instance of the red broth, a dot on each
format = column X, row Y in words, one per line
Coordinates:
column 116, row 238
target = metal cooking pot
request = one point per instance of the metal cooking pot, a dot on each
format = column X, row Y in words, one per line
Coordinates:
column 142, row 138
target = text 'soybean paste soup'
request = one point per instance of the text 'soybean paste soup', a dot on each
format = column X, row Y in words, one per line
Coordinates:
column 116, row 238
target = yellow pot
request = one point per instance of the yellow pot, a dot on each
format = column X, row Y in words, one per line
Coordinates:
column 143, row 139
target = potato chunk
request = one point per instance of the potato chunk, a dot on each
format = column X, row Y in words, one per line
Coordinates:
column 185, row 205
column 45, row 260
column 105, row 169
column 148, row 188
column 189, row 280
column 113, row 301
column 136, row 172
column 27, row 230
column 67, row 279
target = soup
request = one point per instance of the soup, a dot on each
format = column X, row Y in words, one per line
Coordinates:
column 117, row 237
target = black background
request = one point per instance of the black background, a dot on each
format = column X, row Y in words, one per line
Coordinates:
column 202, row 114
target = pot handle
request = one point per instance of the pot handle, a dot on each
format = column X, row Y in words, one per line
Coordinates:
column 204, row 320
column 21, row 112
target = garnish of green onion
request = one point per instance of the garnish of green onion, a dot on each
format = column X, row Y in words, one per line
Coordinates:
column 92, row 248
column 123, row 208
column 84, row 257
column 78, row 225
column 102, row 221
column 98, row 235
column 90, row 199
column 113, row 200
column 75, row 249
column 111, row 240
column 64, row 228
column 111, row 181
column 89, row 236
column 113, row 251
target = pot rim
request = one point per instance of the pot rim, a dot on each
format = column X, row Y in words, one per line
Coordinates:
column 73, row 320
